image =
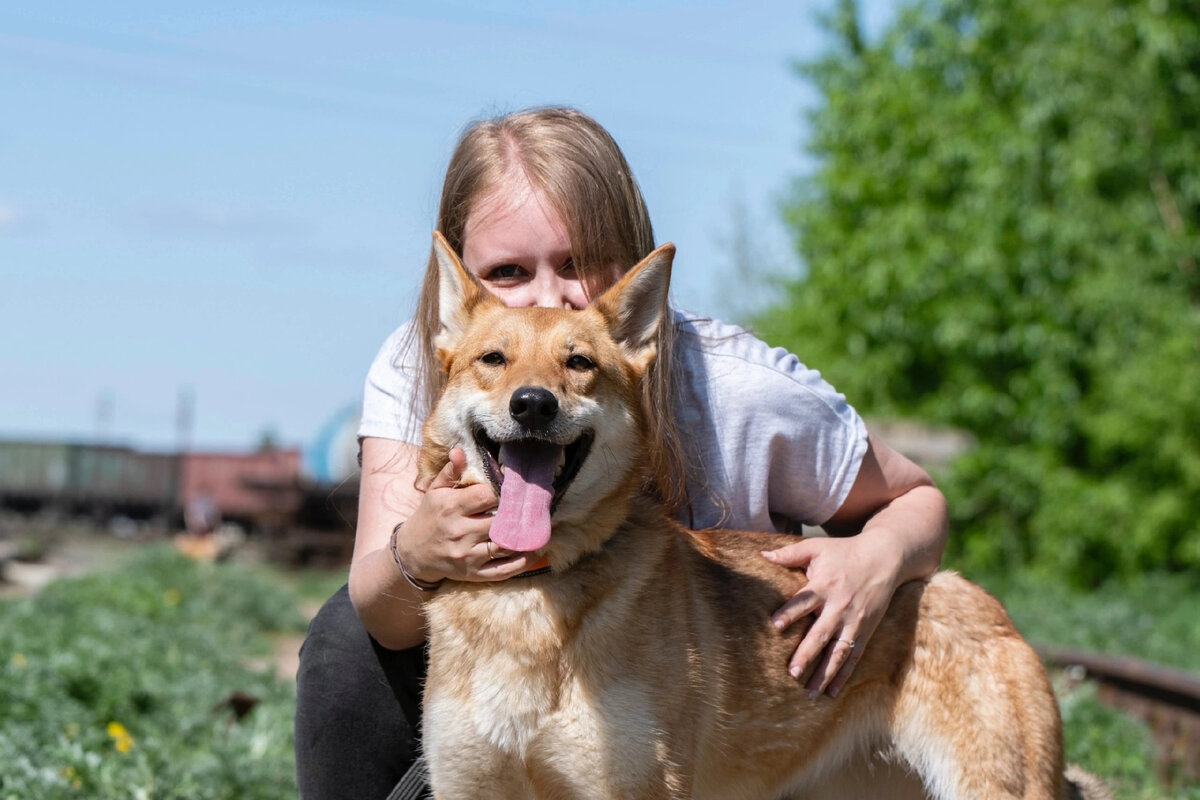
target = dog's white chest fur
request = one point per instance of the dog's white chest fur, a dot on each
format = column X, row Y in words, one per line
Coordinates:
column 496, row 695
column 514, row 696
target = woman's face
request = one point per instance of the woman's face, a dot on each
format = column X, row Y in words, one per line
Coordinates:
column 516, row 244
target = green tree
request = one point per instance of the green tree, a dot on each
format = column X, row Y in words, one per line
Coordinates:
column 1001, row 234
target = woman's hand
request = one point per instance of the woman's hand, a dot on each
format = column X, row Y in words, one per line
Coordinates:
column 447, row 534
column 850, row 583
column 891, row 529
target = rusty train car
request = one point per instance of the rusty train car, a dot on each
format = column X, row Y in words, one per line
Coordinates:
column 103, row 481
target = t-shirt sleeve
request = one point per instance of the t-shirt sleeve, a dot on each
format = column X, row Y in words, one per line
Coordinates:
column 388, row 393
column 817, row 443
column 775, row 444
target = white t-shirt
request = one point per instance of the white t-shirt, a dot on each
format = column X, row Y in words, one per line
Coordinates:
column 770, row 444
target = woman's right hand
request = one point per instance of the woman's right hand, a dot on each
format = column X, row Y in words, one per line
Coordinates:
column 447, row 534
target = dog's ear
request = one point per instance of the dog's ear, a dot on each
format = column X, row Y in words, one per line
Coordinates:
column 459, row 292
column 636, row 305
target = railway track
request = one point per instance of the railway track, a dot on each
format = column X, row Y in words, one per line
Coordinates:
column 1167, row 700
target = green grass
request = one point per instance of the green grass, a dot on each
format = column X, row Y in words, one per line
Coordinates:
column 1152, row 617
column 111, row 686
column 314, row 586
column 159, row 644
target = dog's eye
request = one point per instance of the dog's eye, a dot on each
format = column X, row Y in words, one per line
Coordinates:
column 581, row 363
column 493, row 359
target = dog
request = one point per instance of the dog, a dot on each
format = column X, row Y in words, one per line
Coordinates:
column 642, row 663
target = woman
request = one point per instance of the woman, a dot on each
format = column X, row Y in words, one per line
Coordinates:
column 543, row 209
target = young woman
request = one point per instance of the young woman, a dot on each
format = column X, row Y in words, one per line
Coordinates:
column 543, row 209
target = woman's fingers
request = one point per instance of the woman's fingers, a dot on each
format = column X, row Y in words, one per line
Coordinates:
column 499, row 569
column 847, row 669
column 795, row 555
column 809, row 651
column 450, row 474
column 476, row 501
column 829, row 653
column 800, row 605
column 836, row 656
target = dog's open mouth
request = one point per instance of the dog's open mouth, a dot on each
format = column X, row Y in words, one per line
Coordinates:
column 531, row 476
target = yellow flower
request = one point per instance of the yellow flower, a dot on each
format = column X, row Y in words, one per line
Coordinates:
column 72, row 776
column 72, row 730
column 172, row 597
column 18, row 660
column 121, row 738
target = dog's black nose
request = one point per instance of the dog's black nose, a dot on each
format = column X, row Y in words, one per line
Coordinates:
column 533, row 407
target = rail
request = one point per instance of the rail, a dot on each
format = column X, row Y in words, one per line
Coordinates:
column 1167, row 700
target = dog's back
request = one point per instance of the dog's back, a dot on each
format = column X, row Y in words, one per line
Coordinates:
column 653, row 666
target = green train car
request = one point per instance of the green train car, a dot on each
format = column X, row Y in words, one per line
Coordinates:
column 79, row 478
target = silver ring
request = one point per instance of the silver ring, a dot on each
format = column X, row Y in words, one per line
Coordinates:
column 848, row 642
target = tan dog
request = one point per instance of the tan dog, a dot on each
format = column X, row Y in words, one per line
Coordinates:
column 644, row 664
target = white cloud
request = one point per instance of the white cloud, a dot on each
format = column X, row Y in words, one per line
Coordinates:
column 14, row 220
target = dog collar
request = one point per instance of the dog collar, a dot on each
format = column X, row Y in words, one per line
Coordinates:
column 540, row 567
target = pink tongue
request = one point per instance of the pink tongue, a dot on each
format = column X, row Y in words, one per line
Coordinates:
column 522, row 521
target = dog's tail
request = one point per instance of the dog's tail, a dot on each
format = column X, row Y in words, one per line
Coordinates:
column 1084, row 785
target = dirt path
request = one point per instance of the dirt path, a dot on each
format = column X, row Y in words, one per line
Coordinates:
column 286, row 646
column 70, row 556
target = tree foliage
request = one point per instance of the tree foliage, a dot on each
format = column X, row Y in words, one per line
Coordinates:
column 1003, row 234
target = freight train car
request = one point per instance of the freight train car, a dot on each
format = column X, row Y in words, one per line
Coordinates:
column 106, row 480
column 258, row 488
column 102, row 481
column 33, row 472
column 85, row 479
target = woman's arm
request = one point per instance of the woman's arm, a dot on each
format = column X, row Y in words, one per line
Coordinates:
column 388, row 606
column 444, row 535
column 895, row 523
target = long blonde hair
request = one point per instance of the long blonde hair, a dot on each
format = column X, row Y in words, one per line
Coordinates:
column 579, row 169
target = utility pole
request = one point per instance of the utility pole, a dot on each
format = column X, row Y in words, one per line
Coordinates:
column 185, row 415
column 104, row 416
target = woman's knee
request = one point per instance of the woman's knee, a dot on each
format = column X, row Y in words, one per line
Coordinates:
column 344, row 670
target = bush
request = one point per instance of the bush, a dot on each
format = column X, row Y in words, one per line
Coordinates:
column 1002, row 234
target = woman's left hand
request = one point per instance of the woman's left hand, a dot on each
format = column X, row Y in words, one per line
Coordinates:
column 890, row 529
column 850, row 583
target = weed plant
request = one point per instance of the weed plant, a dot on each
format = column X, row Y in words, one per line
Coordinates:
column 114, row 686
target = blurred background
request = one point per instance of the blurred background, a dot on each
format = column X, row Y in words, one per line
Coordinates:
column 979, row 219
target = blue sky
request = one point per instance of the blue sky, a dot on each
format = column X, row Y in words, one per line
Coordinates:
column 235, row 200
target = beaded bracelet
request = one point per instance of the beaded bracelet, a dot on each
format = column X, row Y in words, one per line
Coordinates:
column 416, row 583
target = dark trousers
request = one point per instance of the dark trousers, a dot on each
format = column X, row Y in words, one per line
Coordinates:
column 358, row 708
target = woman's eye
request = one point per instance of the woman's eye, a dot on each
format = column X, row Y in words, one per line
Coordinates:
column 493, row 359
column 580, row 363
column 568, row 270
column 504, row 272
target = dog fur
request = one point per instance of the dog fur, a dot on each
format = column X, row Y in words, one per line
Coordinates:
column 644, row 665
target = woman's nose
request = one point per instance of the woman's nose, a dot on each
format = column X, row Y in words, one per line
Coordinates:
column 551, row 293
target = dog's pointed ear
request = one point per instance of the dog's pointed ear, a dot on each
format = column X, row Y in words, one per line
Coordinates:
column 636, row 305
column 459, row 292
